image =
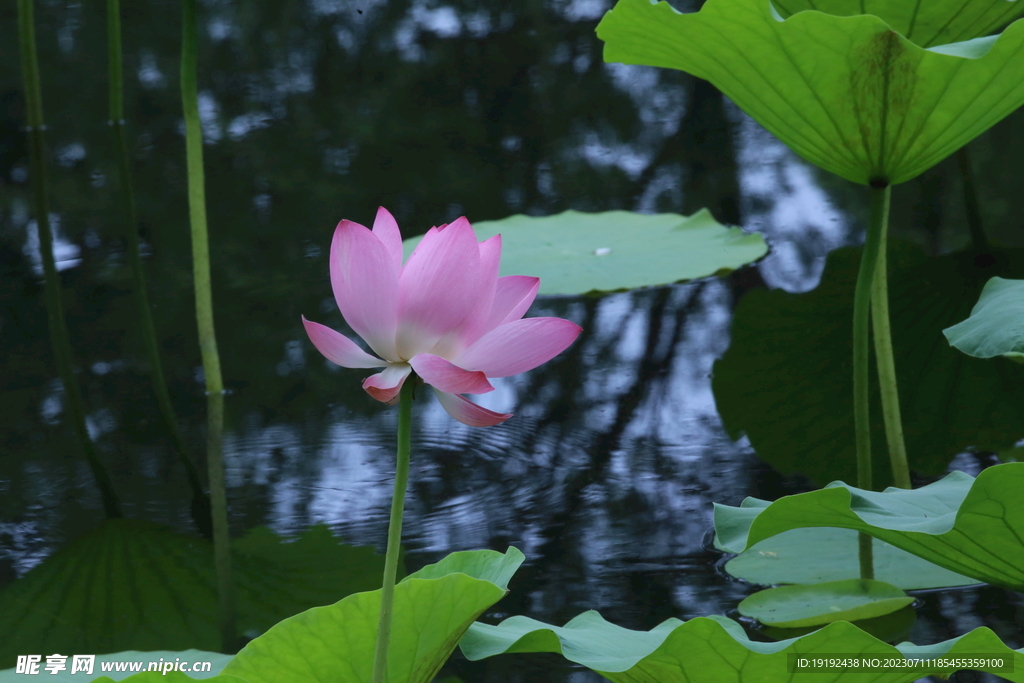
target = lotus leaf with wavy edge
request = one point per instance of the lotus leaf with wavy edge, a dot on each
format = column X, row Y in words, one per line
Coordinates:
column 848, row 94
column 935, row 22
column 996, row 324
column 713, row 650
column 974, row 527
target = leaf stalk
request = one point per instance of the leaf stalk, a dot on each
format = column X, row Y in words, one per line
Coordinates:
column 880, row 193
column 57, row 325
column 200, row 501
column 204, row 321
column 887, row 366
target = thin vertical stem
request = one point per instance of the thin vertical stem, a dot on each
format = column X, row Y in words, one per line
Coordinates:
column 887, row 366
column 204, row 320
column 200, row 501
column 387, row 596
column 861, row 349
column 54, row 306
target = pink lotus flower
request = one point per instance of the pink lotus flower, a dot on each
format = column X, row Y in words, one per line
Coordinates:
column 445, row 314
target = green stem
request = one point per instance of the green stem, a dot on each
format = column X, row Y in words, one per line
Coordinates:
column 387, row 595
column 887, row 366
column 54, row 306
column 978, row 240
column 204, row 320
column 200, row 501
column 861, row 350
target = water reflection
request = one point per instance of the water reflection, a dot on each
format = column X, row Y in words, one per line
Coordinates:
column 313, row 111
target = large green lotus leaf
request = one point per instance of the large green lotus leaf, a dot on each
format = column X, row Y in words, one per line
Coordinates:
column 848, row 94
column 821, row 555
column 786, row 380
column 935, row 22
column 974, row 527
column 334, row 644
column 578, row 253
column 824, row 603
column 123, row 660
column 130, row 584
column 712, row 650
column 996, row 324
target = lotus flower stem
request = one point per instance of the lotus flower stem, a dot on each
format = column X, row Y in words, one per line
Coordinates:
column 887, row 367
column 200, row 501
column 54, row 306
column 204, row 320
column 387, row 595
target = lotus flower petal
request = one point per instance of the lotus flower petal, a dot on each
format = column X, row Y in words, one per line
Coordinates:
column 386, row 229
column 385, row 385
column 512, row 298
column 438, row 287
column 469, row 413
column 477, row 321
column 365, row 283
column 338, row 348
column 445, row 376
column 518, row 346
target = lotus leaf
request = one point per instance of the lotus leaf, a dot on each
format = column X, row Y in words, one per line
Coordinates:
column 996, row 325
column 971, row 526
column 823, row 603
column 713, row 650
column 578, row 253
column 936, row 22
column 433, row 608
column 849, row 94
column 822, row 555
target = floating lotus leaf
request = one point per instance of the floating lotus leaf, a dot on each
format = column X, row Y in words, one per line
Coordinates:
column 935, row 22
column 334, row 644
column 785, row 380
column 715, row 650
column 578, row 253
column 824, row 603
column 85, row 598
column 974, row 527
column 822, row 555
column 848, row 94
column 996, row 324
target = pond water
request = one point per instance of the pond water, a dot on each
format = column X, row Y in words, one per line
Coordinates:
column 317, row 110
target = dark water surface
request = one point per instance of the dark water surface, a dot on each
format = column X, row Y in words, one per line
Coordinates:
column 319, row 110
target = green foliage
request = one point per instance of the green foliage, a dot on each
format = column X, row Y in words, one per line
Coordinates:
column 821, row 555
column 710, row 650
column 130, row 584
column 433, row 608
column 579, row 253
column 785, row 379
column 970, row 526
column 936, row 22
column 848, row 94
column 996, row 324
column 824, row 603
